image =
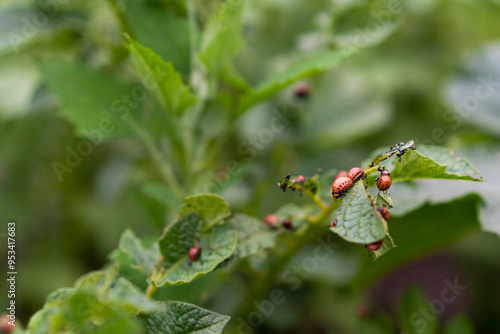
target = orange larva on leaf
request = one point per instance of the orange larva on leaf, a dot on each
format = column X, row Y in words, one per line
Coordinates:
column 340, row 185
column 384, row 180
column 384, row 212
column 355, row 174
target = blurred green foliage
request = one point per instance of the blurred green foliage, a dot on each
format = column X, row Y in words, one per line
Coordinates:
column 402, row 70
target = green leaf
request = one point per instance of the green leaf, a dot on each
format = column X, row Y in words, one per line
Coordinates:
column 253, row 235
column 168, row 87
column 183, row 318
column 211, row 208
column 91, row 101
column 18, row 35
column 460, row 324
column 88, row 314
column 380, row 324
column 383, row 199
column 310, row 65
column 176, row 242
column 178, row 239
column 434, row 162
column 422, row 231
column 109, row 287
column 221, row 38
column 358, row 220
column 387, row 245
column 164, row 32
column 100, row 302
column 141, row 257
column 415, row 313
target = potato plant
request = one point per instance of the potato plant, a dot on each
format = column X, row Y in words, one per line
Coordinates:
column 171, row 87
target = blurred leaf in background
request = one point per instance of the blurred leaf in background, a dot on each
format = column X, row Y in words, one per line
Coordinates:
column 378, row 73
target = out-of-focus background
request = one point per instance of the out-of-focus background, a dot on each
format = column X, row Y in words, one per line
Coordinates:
column 422, row 70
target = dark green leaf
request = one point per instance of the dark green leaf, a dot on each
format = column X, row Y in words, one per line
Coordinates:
column 141, row 257
column 460, row 324
column 416, row 316
column 358, row 220
column 179, row 237
column 376, row 325
column 160, row 77
column 183, row 318
column 211, row 208
column 164, row 32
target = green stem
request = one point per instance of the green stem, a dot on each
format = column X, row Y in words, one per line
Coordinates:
column 151, row 289
column 193, row 34
column 163, row 165
column 265, row 283
column 120, row 14
column 371, row 170
column 318, row 201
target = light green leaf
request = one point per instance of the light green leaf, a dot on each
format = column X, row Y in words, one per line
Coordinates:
column 460, row 324
column 221, row 38
column 109, row 287
column 183, row 318
column 358, row 220
column 387, row 245
column 211, row 208
column 434, row 162
column 383, row 199
column 91, row 101
column 141, row 257
column 411, row 315
column 308, row 66
column 100, row 302
column 176, row 242
column 253, row 235
column 17, row 34
column 160, row 77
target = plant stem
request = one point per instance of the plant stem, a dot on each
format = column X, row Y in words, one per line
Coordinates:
column 121, row 17
column 163, row 165
column 371, row 170
column 318, row 201
column 151, row 289
column 261, row 289
column 193, row 33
